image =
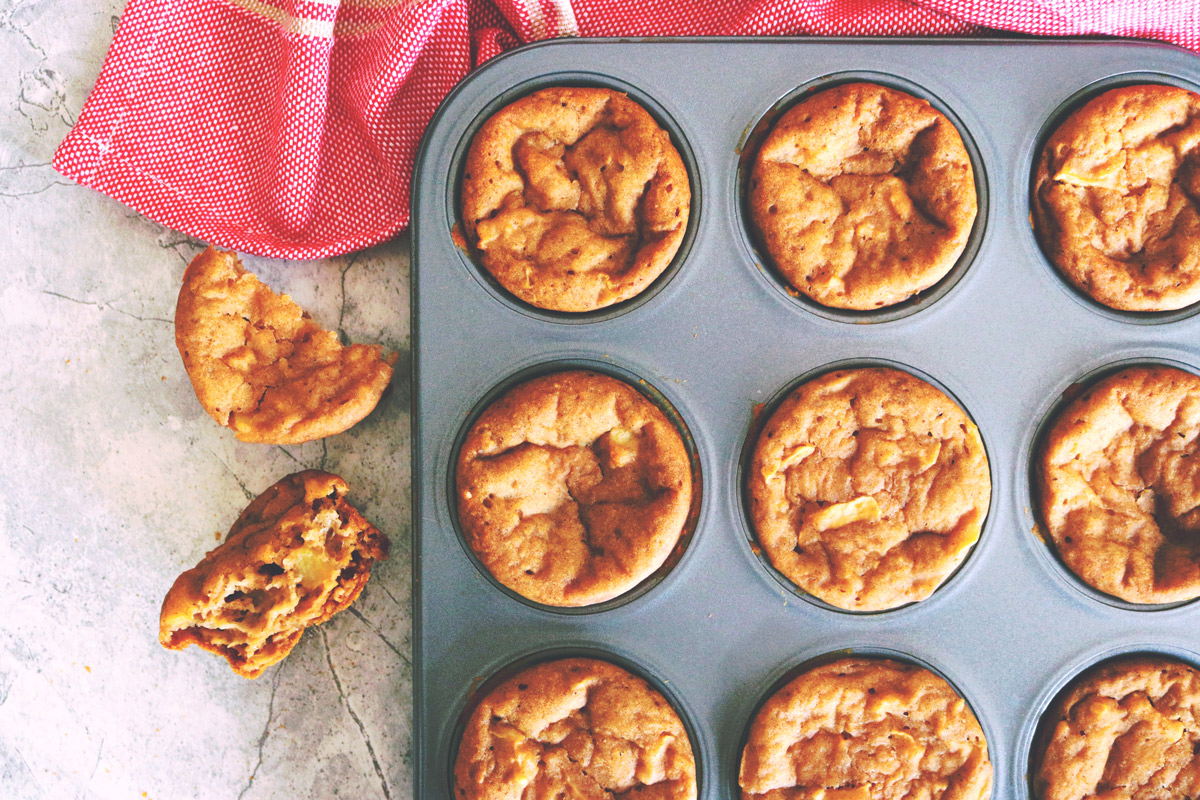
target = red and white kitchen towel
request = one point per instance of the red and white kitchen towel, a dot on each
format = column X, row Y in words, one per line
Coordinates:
column 288, row 128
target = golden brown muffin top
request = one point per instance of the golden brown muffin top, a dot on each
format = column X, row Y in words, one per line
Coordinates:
column 574, row 199
column 573, row 488
column 1119, row 477
column 1116, row 194
column 1129, row 729
column 261, row 367
column 577, row 727
column 863, row 196
column 868, row 487
column 866, row 729
column 297, row 555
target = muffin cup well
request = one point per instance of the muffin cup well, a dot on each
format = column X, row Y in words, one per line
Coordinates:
column 1053, row 122
column 518, row 663
column 1034, row 732
column 458, row 168
column 758, row 422
column 786, row 674
column 1030, row 498
column 645, row 389
column 757, row 132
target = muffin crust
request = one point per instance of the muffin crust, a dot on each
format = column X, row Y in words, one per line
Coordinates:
column 573, row 488
column 1119, row 478
column 1116, row 196
column 865, row 729
column 1128, row 729
column 868, row 487
column 577, row 727
column 261, row 367
column 297, row 555
column 574, row 199
column 863, row 196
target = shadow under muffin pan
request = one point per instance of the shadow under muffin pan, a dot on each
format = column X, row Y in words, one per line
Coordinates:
column 758, row 253
column 1060, row 115
column 1030, row 498
column 721, row 339
column 471, row 258
column 741, row 482
column 648, row 391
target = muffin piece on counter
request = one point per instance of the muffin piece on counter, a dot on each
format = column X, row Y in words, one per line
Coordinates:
column 574, row 198
column 863, row 196
column 868, row 487
column 296, row 556
column 1126, row 729
column 1119, row 485
column 261, row 367
column 1116, row 195
column 577, row 727
column 573, row 488
column 866, row 729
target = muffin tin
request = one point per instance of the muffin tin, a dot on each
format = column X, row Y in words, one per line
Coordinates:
column 718, row 336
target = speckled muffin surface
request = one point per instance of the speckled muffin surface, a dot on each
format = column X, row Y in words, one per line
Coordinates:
column 574, row 198
column 576, row 727
column 863, row 196
column 297, row 555
column 573, row 488
column 1119, row 481
column 865, row 729
column 868, row 487
column 1128, row 729
column 1117, row 198
column 261, row 367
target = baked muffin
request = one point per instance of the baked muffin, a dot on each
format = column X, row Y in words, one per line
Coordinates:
column 865, row 729
column 296, row 556
column 1115, row 198
column 261, row 367
column 577, row 727
column 574, row 199
column 863, row 196
column 868, row 487
column 1119, row 481
column 573, row 488
column 1127, row 729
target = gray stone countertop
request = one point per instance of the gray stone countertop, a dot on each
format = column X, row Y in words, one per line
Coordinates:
column 115, row 480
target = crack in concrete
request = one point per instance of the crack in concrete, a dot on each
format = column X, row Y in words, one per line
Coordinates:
column 107, row 307
column 358, row 614
column 262, row 739
column 16, row 167
column 7, row 24
column 385, row 590
column 249, row 495
column 361, row 728
column 342, row 310
column 324, row 453
column 15, row 195
column 289, row 455
column 96, row 766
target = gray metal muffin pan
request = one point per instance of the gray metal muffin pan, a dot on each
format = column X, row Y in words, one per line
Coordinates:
column 718, row 335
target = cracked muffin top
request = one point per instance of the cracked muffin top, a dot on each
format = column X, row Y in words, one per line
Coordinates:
column 866, row 729
column 261, row 367
column 1117, row 198
column 577, row 727
column 574, row 199
column 1119, row 479
column 1127, row 729
column 863, row 196
column 297, row 555
column 868, row 487
column 573, row 488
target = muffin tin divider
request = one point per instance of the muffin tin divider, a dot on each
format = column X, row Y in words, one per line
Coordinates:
column 719, row 339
